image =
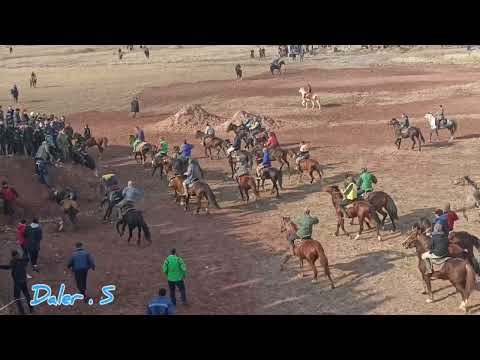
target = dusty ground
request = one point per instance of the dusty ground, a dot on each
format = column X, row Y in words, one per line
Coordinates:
column 233, row 255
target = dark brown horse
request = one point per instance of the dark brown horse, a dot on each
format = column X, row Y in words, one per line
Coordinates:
column 384, row 204
column 246, row 183
column 212, row 143
column 360, row 209
column 141, row 150
column 307, row 165
column 199, row 189
column 232, row 160
column 273, row 174
column 101, row 143
column 413, row 133
column 457, row 270
column 309, row 250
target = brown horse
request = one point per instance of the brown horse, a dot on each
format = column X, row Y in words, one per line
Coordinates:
column 141, row 150
column 101, row 143
column 246, row 183
column 413, row 133
column 308, row 165
column 199, row 189
column 212, row 143
column 457, row 270
column 309, row 250
column 384, row 204
column 360, row 209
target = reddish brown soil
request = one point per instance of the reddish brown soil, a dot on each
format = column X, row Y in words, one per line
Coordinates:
column 233, row 254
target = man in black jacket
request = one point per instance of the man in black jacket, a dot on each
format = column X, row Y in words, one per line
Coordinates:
column 33, row 236
column 28, row 140
column 438, row 247
column 3, row 139
column 80, row 262
column 19, row 274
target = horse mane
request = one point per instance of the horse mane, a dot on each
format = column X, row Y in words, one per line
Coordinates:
column 289, row 221
column 471, row 182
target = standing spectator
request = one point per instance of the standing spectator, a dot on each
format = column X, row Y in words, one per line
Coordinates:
column 3, row 139
column 175, row 269
column 161, row 305
column 147, row 52
column 19, row 274
column 33, row 235
column 80, row 262
column 21, row 227
column 451, row 217
column 14, row 92
column 11, row 49
column 17, row 117
column 87, row 134
column 135, row 106
column 9, row 195
column 1, row 114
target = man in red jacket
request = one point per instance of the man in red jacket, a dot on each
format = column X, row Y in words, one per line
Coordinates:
column 451, row 216
column 272, row 141
column 8, row 194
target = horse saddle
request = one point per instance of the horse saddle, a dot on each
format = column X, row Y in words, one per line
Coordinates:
column 297, row 242
column 404, row 131
column 193, row 183
column 438, row 264
column 137, row 145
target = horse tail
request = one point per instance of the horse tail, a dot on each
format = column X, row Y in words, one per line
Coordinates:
column 145, row 229
column 105, row 142
column 470, row 283
column 211, row 198
column 374, row 215
column 421, row 136
column 280, row 179
column 318, row 167
column 391, row 208
column 253, row 185
column 475, row 241
column 454, row 126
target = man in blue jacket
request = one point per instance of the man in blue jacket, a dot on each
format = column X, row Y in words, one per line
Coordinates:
column 161, row 304
column 80, row 262
column 266, row 162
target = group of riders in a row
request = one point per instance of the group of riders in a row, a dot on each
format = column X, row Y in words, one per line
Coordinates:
column 440, row 119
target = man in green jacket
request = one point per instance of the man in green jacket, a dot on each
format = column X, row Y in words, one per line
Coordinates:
column 365, row 182
column 176, row 270
column 305, row 227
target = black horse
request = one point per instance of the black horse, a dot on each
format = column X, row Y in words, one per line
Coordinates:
column 277, row 66
column 134, row 219
column 108, row 203
column 81, row 157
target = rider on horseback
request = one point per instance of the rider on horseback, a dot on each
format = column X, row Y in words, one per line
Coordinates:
column 193, row 174
column 350, row 195
column 304, row 152
column 305, row 228
column 236, row 146
column 108, row 182
column 130, row 195
column 186, row 150
column 244, row 166
column 163, row 148
column 406, row 121
column 438, row 247
column 87, row 134
column 209, row 133
column 272, row 141
column 440, row 116
column 265, row 164
column 365, row 182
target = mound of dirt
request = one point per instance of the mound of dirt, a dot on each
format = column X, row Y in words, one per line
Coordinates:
column 243, row 116
column 191, row 117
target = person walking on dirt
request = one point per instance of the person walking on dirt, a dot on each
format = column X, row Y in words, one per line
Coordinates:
column 33, row 236
column 9, row 195
column 80, row 263
column 161, row 305
column 14, row 92
column 18, row 266
column 135, row 106
column 176, row 270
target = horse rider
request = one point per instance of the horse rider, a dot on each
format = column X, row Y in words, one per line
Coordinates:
column 193, row 174
column 265, row 164
column 272, row 141
column 442, row 219
column 63, row 144
column 43, row 152
column 130, row 195
column 365, row 182
column 238, row 71
column 304, row 152
column 349, row 195
column 308, row 93
column 87, row 134
column 255, row 127
column 186, row 150
column 305, row 228
column 163, row 147
column 244, row 166
column 438, row 247
column 209, row 133
column 109, row 181
column 139, row 135
column 236, row 146
column 440, row 116
column 406, row 122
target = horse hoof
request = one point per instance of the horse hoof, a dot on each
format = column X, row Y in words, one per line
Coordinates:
column 300, row 276
column 379, row 238
column 429, row 301
column 356, row 237
column 314, row 281
column 424, row 292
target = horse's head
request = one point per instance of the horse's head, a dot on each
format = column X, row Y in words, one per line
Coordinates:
column 394, row 122
column 199, row 134
column 412, row 238
column 231, row 127
column 461, row 181
column 284, row 222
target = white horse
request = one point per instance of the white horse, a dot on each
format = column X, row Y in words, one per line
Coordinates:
column 309, row 98
column 434, row 126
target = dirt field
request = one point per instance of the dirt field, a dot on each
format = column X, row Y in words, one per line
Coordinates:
column 233, row 255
